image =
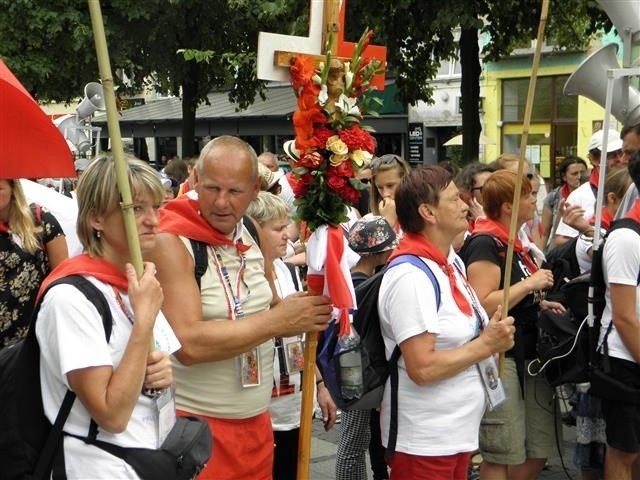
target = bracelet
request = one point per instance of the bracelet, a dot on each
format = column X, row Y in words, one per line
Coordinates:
column 318, row 382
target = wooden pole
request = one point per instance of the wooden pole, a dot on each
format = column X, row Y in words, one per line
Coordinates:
column 331, row 19
column 513, row 227
column 117, row 150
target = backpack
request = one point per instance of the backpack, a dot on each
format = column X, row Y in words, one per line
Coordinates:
column 563, row 263
column 566, row 347
column 375, row 366
column 28, row 441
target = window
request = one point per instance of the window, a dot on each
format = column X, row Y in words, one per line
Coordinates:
column 549, row 102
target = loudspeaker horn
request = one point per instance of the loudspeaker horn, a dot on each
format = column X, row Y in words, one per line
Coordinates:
column 72, row 132
column 93, row 100
column 590, row 80
column 625, row 16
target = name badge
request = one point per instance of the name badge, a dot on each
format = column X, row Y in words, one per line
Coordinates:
column 250, row 368
column 166, row 405
column 491, row 382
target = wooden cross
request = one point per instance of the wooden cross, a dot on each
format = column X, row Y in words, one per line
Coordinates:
column 275, row 51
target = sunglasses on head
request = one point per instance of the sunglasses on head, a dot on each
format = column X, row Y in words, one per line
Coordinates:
column 384, row 160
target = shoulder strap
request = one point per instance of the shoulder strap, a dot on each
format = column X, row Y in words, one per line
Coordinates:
column 294, row 275
column 95, row 296
column 199, row 259
column 249, row 224
column 418, row 262
column 395, row 355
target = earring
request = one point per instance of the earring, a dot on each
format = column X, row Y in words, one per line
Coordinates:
column 98, row 234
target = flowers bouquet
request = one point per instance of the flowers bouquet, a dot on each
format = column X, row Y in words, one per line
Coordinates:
column 331, row 145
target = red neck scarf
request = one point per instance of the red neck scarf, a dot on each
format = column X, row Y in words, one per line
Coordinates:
column 496, row 229
column 86, row 265
column 606, row 220
column 564, row 191
column 634, row 212
column 181, row 216
column 4, row 228
column 594, row 178
column 414, row 244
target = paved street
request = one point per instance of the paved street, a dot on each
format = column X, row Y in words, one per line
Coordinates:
column 323, row 455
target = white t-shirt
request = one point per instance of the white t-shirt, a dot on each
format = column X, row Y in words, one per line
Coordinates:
column 583, row 196
column 71, row 336
column 621, row 265
column 442, row 418
column 286, row 399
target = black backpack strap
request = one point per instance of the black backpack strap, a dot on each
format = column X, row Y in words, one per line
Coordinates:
column 250, row 225
column 294, row 275
column 53, row 445
column 200, row 260
column 393, row 414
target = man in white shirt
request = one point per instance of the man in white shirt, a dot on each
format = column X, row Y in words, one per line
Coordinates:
column 585, row 195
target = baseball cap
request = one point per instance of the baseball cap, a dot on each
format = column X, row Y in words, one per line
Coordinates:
column 372, row 234
column 614, row 142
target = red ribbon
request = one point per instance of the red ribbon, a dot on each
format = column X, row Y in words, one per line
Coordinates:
column 496, row 229
column 181, row 216
column 415, row 244
column 86, row 265
column 337, row 285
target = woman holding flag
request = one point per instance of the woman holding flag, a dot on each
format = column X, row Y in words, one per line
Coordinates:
column 119, row 384
column 445, row 367
column 518, row 436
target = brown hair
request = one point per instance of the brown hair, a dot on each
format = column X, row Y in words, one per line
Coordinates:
column 499, row 189
column 420, row 185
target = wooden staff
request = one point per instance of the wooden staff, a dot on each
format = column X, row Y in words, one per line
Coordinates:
column 513, row 227
column 117, row 150
column 331, row 17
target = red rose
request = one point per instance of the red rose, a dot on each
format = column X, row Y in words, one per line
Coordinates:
column 345, row 169
column 350, row 194
column 357, row 139
column 336, row 182
column 322, row 134
column 300, row 185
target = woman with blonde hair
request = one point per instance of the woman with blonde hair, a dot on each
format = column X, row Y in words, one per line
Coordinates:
column 31, row 244
column 386, row 173
column 273, row 215
column 123, row 390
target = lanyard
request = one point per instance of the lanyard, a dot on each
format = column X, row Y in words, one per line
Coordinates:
column 229, row 292
column 479, row 325
column 122, row 306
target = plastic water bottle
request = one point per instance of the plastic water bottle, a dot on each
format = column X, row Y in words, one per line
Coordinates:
column 350, row 361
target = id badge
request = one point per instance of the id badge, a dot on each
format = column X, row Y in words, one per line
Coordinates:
column 294, row 354
column 491, row 382
column 250, row 368
column 166, row 405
